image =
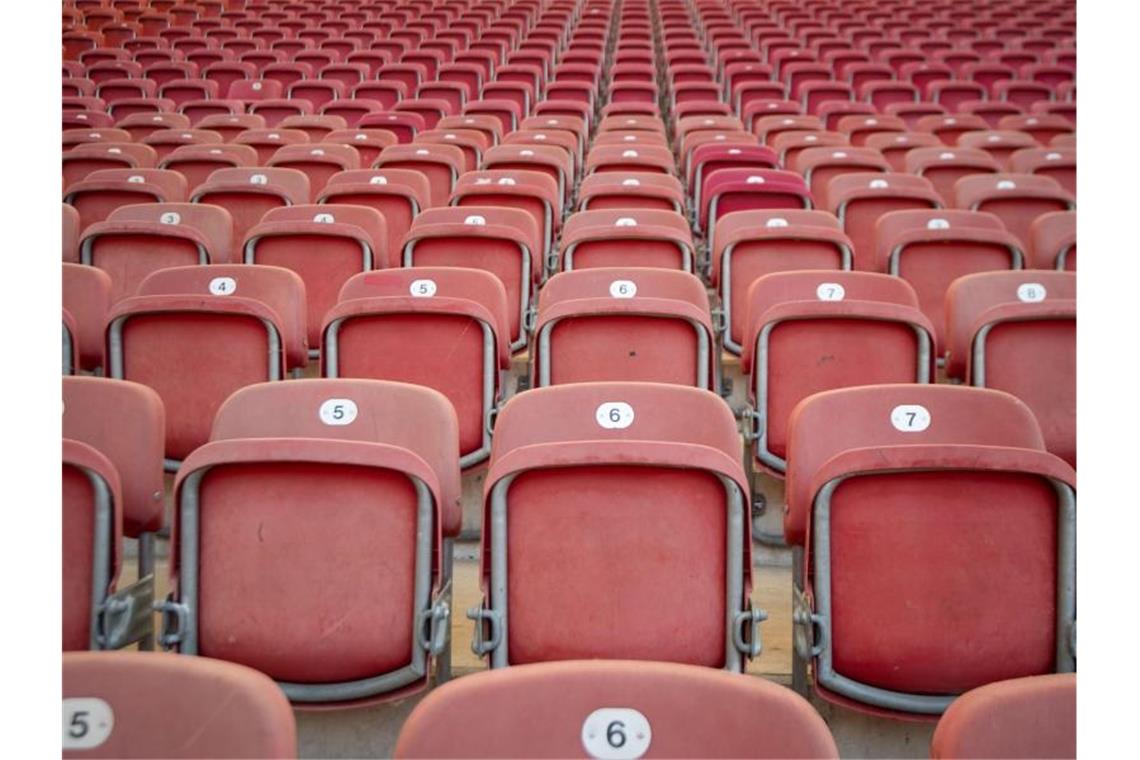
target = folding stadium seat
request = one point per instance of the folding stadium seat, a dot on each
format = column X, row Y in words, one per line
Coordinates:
column 88, row 157
column 861, row 127
column 858, row 199
column 251, row 91
column 1041, row 127
column 276, row 110
column 1053, row 241
column 627, row 237
column 550, row 160
column 729, row 190
column 198, row 110
column 317, row 160
column 267, row 141
column 1017, row 199
column 908, row 467
column 930, row 249
column 631, row 190
column 81, row 103
column 103, row 191
column 440, row 164
column 1034, row 716
column 86, row 119
column 811, row 331
column 115, row 90
column 405, row 125
column 530, row 191
column 164, row 141
column 248, row 193
column 1016, row 332
column 325, row 245
column 398, row 194
column 141, row 125
column 952, row 93
column 1000, row 144
column 507, row 112
column 751, row 244
column 631, row 122
column 228, row 318
column 138, row 239
column 70, row 235
column 197, row 162
column 945, row 166
column 314, row 125
column 132, row 704
column 820, row 165
column 991, row 111
column 455, row 94
column 1058, row 163
column 722, row 715
column 415, row 326
column 472, row 142
column 367, row 142
column 234, row 80
column 581, row 438
column 182, row 91
column 430, row 109
column 87, row 298
column 628, row 324
column 310, row 462
column 1022, row 92
column 112, row 485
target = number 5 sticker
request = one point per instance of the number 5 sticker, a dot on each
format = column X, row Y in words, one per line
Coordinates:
column 87, row 722
column 616, row 733
column 337, row 411
column 614, row 415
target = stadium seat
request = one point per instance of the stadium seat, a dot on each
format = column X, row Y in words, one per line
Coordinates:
column 472, row 142
column 97, row 195
column 291, row 473
column 999, row 143
column 324, row 244
column 1034, row 716
column 247, row 193
column 440, row 164
column 1041, row 127
column 316, row 160
column 502, row 241
column 87, row 298
column 573, row 470
column 627, row 238
column 414, row 325
column 531, row 191
column 164, row 141
column 860, row 198
column 266, row 141
column 1053, row 241
column 807, row 332
column 367, row 142
column 1017, row 199
column 142, row 705
column 245, row 323
column 624, row 324
column 197, row 162
column 891, row 454
column 140, row 125
column 1058, row 163
column 896, row 145
column 751, row 244
column 551, row 160
column 633, row 190
column 653, row 708
column 944, row 166
column 87, row 157
column 820, row 165
column 70, row 234
column 1016, row 332
column 731, row 190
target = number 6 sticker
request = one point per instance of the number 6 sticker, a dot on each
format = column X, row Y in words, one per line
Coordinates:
column 910, row 418
column 337, row 411
column 616, row 733
column 623, row 289
column 614, row 415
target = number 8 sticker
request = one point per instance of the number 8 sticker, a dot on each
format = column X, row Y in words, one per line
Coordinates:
column 614, row 415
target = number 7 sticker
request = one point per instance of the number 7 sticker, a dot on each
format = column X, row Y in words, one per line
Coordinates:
column 910, row 418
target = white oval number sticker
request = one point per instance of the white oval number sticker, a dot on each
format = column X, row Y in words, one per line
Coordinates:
column 623, row 288
column 910, row 418
column 87, row 722
column 338, row 411
column 616, row 733
column 830, row 291
column 1031, row 292
column 423, row 288
column 223, row 286
column 614, row 415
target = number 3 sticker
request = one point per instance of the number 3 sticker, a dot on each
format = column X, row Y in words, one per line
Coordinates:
column 338, row 411
column 87, row 722
column 614, row 415
column 616, row 733
column 910, row 418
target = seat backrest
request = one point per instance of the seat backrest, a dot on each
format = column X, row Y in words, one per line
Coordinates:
column 213, row 223
column 1023, row 717
column 148, row 704
column 87, row 298
column 676, row 710
column 1053, row 241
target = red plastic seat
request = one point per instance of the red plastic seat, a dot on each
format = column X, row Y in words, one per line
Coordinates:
column 1058, row 163
column 1001, row 144
column 276, row 110
column 165, row 141
column 945, row 166
column 574, row 469
column 918, row 496
column 253, row 91
column 1017, row 199
column 633, row 190
column 472, row 142
column 627, row 324
column 398, row 194
column 197, row 162
column 1016, row 332
column 691, row 712
column 729, row 190
column 440, row 164
column 103, row 191
column 502, row 241
column 860, row 198
column 316, row 126
column 87, row 157
column 87, row 298
column 808, row 332
column 1042, row 127
column 1053, row 241
column 316, row 460
column 245, row 323
column 316, row 160
column 367, row 142
column 86, row 135
column 531, row 191
column 550, row 160
column 895, row 145
column 140, row 125
column 70, row 234
column 415, row 325
column 324, row 244
column 1023, row 717
column 405, row 125
column 751, row 244
column 164, row 705
column 266, row 141
column 247, row 193
column 821, row 165
column 627, row 238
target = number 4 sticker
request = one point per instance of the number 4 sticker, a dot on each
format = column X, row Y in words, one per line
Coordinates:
column 616, row 733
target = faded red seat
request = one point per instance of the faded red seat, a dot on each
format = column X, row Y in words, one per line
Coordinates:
column 627, row 324
column 266, row 141
column 441, row 164
column 812, row 331
column 247, row 193
column 101, row 192
column 87, row 157
column 728, row 190
column 820, row 165
column 325, row 244
column 999, row 143
column 1017, row 199
column 751, row 244
column 551, row 160
column 943, row 166
column 858, row 199
column 367, row 142
column 87, row 299
column 1058, row 163
column 150, row 704
column 398, row 194
column 917, row 497
column 896, row 145
column 246, row 324
column 1017, row 332
column 575, row 470
column 291, row 472
column 533, row 192
column 70, row 234
column 197, row 162
column 627, row 238
column 690, row 711
column 414, row 325
column 618, row 190
column 1034, row 716
column 140, row 125
column 317, row 160
column 1053, row 241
